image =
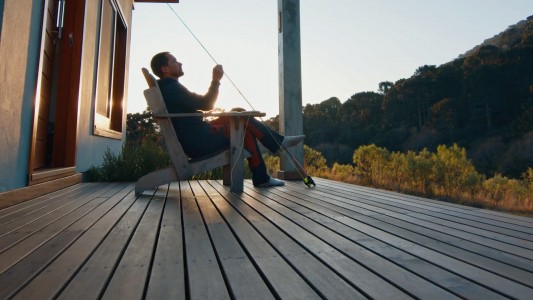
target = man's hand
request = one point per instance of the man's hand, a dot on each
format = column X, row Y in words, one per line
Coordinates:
column 218, row 72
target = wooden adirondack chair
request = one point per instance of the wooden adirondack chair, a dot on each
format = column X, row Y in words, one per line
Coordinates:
column 182, row 166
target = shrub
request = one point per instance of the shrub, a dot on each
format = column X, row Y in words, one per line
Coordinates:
column 511, row 194
column 454, row 172
column 272, row 163
column 398, row 175
column 528, row 178
column 370, row 163
column 419, row 169
column 133, row 162
column 314, row 162
column 343, row 173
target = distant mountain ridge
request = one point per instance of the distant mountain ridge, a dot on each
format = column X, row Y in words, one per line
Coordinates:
column 507, row 38
column 482, row 101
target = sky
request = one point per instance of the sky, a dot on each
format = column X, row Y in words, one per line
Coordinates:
column 347, row 46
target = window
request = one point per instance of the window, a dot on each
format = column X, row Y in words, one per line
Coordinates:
column 110, row 72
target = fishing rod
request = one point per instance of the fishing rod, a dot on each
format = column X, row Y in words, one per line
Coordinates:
column 308, row 181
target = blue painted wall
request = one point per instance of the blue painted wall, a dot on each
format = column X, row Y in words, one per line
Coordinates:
column 19, row 91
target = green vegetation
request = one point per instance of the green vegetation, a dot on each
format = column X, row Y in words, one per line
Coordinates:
column 134, row 161
column 446, row 175
column 142, row 153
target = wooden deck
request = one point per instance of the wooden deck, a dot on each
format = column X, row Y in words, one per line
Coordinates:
column 195, row 240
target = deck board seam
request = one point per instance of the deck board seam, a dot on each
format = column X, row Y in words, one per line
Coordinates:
column 64, row 246
column 435, row 213
column 395, row 216
column 402, row 216
column 422, row 245
column 281, row 254
column 347, row 254
column 461, row 275
column 314, row 252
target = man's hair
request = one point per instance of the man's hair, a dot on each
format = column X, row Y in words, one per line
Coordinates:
column 159, row 60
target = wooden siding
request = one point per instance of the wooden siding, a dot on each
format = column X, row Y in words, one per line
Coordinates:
column 196, row 240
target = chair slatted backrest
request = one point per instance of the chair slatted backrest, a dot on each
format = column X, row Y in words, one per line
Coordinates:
column 157, row 105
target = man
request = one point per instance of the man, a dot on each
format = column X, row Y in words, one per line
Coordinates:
column 199, row 137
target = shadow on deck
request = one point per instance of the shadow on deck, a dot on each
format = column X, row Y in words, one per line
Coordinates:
column 197, row 240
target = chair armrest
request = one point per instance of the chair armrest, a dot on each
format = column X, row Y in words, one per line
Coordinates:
column 213, row 114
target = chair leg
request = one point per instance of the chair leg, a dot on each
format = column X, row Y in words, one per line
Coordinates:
column 155, row 179
column 226, row 175
column 236, row 155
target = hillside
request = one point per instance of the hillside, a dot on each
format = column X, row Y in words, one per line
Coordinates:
column 483, row 101
column 506, row 39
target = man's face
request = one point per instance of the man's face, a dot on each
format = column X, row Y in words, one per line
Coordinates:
column 173, row 67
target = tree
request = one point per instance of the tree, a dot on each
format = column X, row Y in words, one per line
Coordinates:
column 142, row 126
column 385, row 86
column 320, row 121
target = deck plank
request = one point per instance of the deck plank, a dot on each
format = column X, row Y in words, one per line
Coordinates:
column 13, row 212
column 430, row 213
column 493, row 217
column 355, row 201
column 97, row 270
column 285, row 281
column 244, row 280
column 41, row 215
column 445, row 214
column 329, row 231
column 451, row 245
column 131, row 274
column 482, row 277
column 18, row 244
column 311, row 256
column 512, row 235
column 357, row 233
column 49, row 283
column 197, row 240
column 168, row 260
column 206, row 280
column 26, row 268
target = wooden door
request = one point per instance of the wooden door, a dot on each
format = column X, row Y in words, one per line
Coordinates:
column 53, row 151
column 41, row 135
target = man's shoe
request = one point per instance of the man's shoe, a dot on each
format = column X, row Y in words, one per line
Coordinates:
column 271, row 182
column 292, row 140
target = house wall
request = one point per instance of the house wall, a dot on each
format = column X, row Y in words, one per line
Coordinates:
column 20, row 40
column 1, row 14
column 91, row 148
column 19, row 56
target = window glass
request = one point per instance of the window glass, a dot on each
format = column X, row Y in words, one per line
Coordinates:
column 111, row 71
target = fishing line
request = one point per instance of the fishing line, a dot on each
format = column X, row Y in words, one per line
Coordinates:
column 307, row 179
column 209, row 54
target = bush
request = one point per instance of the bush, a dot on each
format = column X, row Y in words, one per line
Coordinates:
column 419, row 169
column 314, row 162
column 272, row 163
column 454, row 172
column 133, row 162
column 508, row 193
column 445, row 174
column 370, row 164
column 343, row 173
